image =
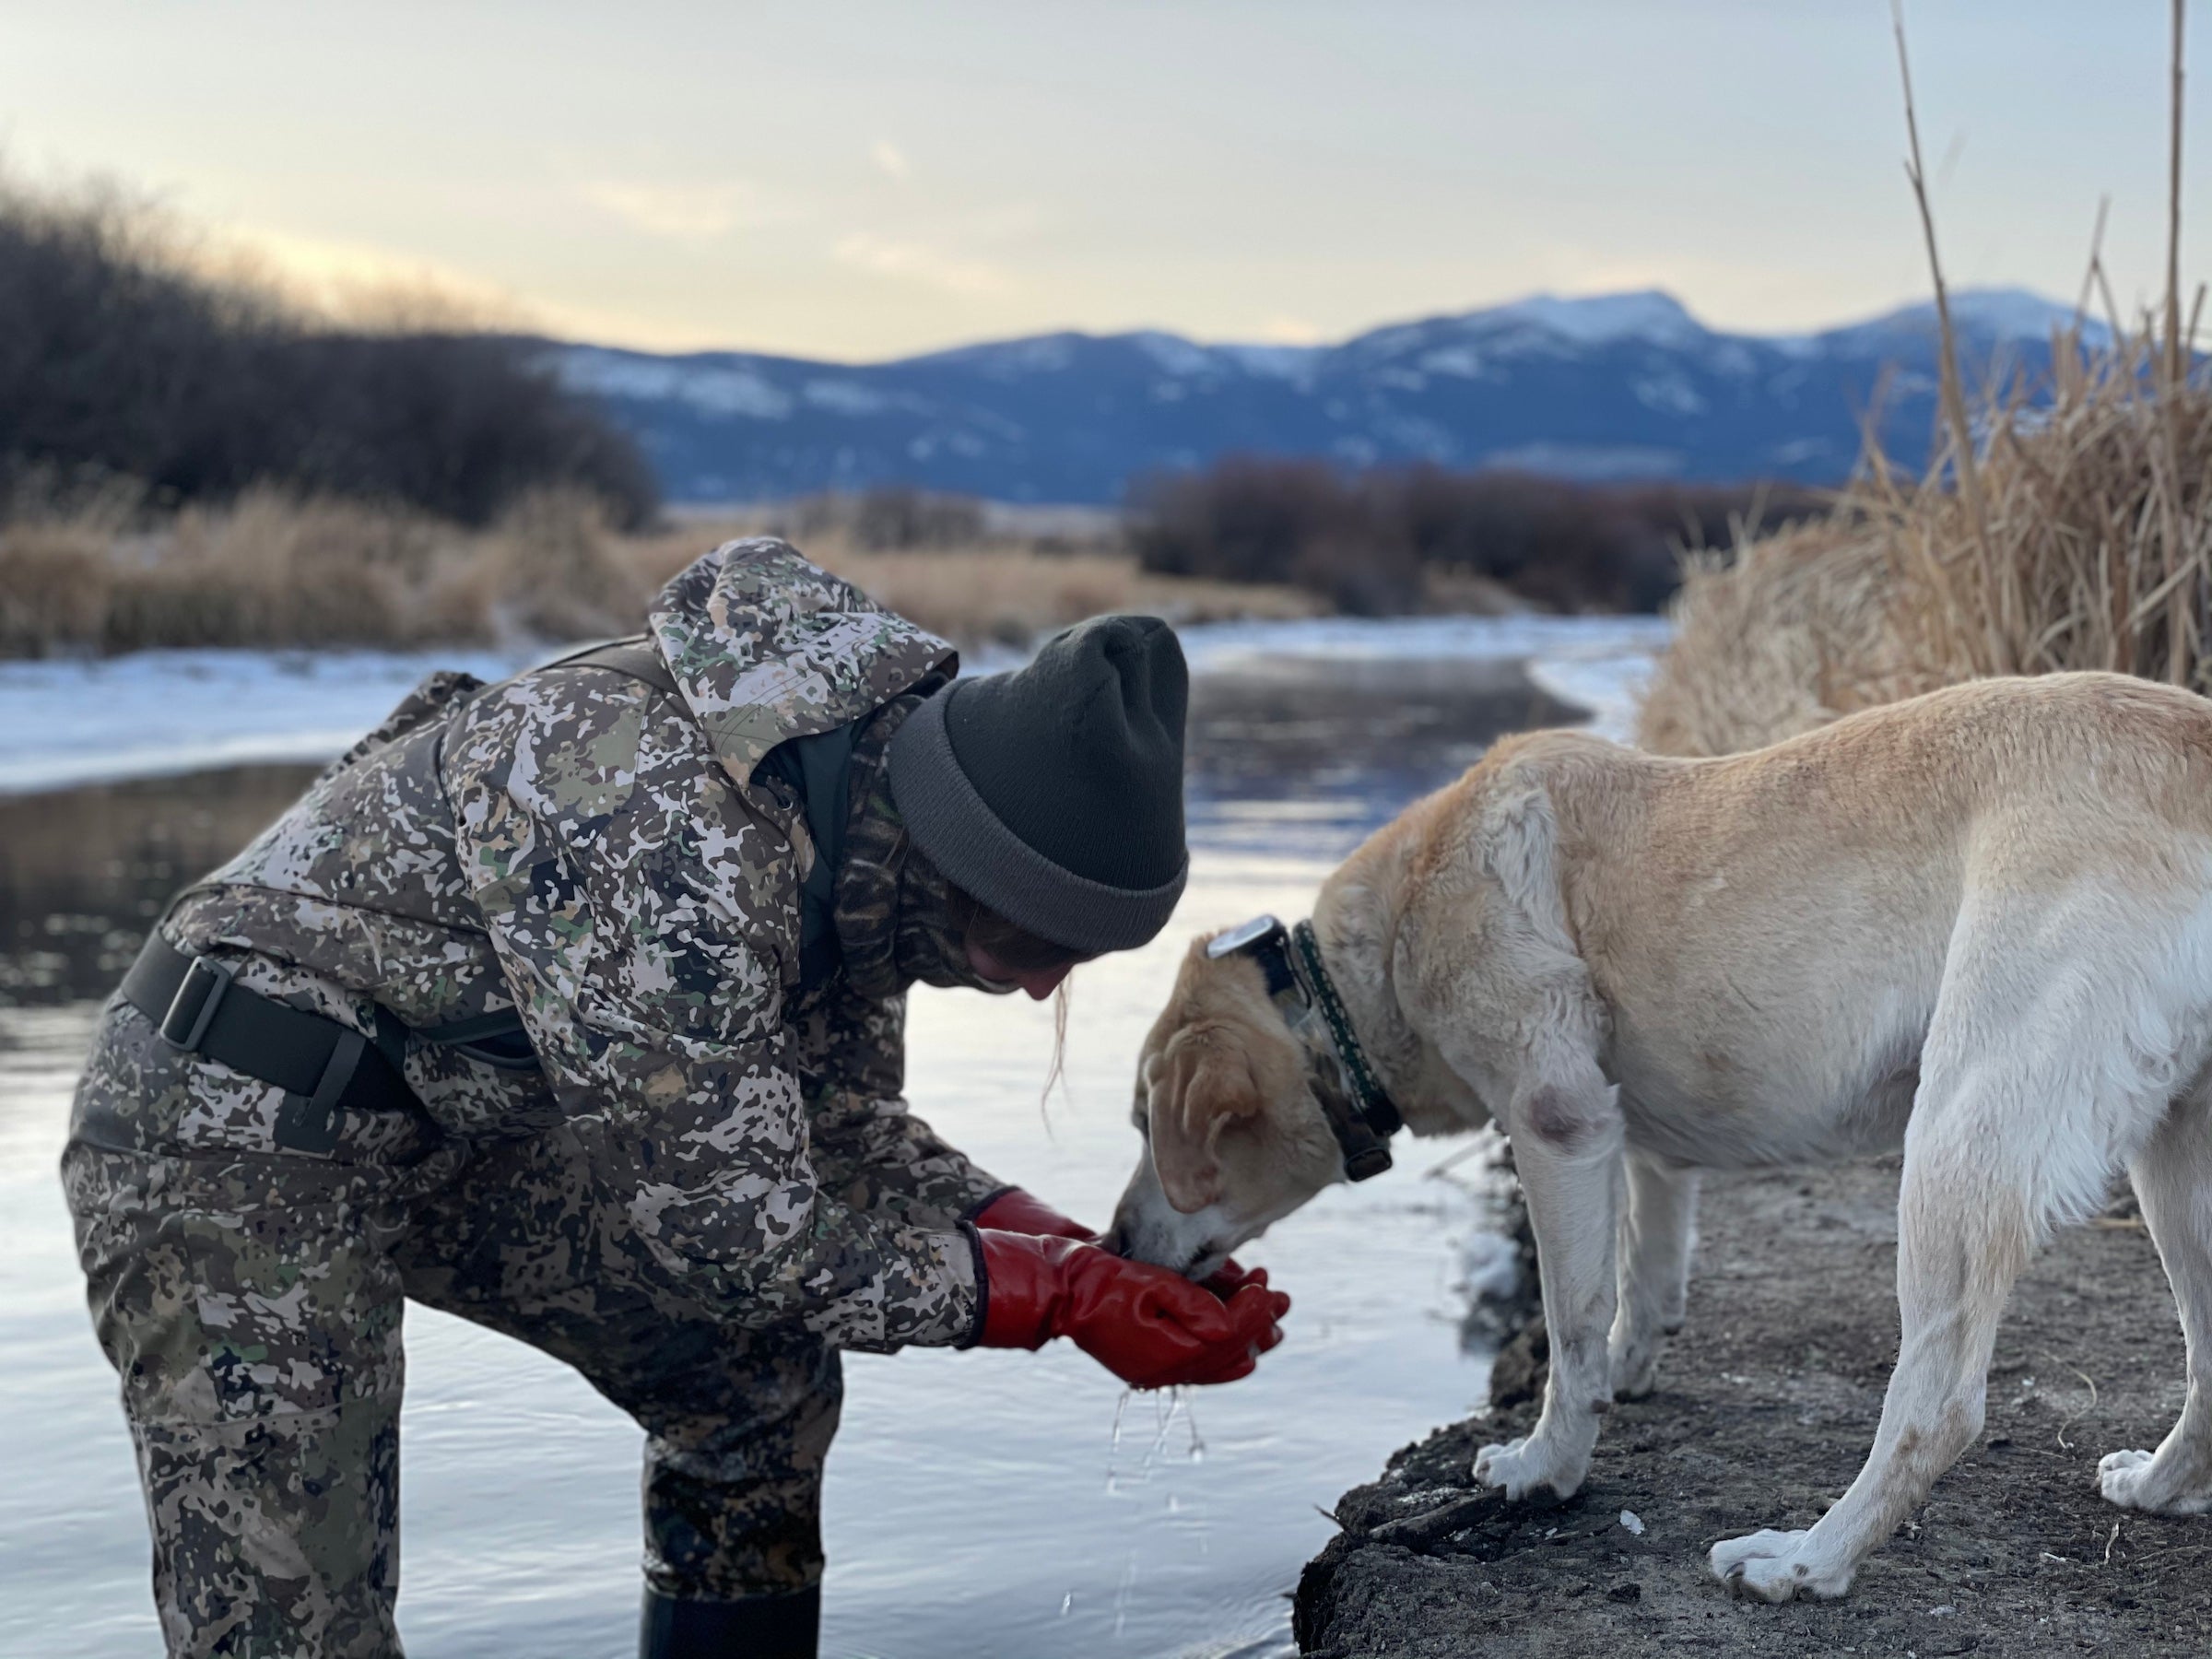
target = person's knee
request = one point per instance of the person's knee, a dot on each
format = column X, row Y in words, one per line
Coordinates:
column 732, row 1529
column 729, row 1388
column 733, row 1497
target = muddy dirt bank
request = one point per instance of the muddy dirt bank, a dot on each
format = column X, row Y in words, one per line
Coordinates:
column 1766, row 1406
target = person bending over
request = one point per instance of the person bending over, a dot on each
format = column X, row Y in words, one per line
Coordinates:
column 575, row 1006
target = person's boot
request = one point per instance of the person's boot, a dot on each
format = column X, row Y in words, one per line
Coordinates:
column 754, row 1626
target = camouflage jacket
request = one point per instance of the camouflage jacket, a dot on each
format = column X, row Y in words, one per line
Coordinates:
column 576, row 845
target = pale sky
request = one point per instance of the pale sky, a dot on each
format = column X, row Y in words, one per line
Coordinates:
column 861, row 181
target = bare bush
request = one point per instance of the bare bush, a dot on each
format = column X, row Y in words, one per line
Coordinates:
column 1408, row 538
column 118, row 362
column 889, row 518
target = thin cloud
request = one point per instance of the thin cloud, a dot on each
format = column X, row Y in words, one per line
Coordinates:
column 679, row 212
column 357, row 284
column 913, row 261
column 1289, row 330
column 890, row 159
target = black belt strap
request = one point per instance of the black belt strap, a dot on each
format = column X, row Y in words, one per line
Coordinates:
column 198, row 1008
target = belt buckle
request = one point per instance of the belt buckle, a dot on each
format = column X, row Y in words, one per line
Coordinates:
column 200, row 994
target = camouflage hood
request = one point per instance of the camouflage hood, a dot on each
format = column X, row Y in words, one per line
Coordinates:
column 767, row 646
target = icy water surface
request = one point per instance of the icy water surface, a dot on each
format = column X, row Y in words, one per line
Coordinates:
column 978, row 1504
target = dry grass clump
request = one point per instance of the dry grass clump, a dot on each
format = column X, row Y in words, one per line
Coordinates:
column 1795, row 632
column 554, row 568
column 273, row 569
column 54, row 587
column 2090, row 545
column 2087, row 545
column 270, row 568
column 2069, row 530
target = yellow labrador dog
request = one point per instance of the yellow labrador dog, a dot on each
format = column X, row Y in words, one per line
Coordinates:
column 1978, row 923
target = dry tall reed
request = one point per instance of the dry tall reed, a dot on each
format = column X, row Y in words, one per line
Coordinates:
column 2069, row 529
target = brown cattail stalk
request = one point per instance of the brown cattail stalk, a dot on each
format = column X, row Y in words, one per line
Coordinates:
column 2000, row 630
column 2178, row 607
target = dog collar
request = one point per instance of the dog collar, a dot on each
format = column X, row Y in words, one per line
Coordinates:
column 1290, row 961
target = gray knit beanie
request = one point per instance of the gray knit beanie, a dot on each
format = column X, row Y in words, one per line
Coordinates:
column 1054, row 794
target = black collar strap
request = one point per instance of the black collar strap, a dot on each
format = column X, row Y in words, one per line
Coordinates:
column 1374, row 1102
column 1290, row 961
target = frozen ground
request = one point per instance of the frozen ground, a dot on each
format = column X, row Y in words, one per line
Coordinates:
column 1767, row 1403
column 160, row 712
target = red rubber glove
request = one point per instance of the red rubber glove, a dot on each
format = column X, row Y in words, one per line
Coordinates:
column 1016, row 1211
column 1149, row 1327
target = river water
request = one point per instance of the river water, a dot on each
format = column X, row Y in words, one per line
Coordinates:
column 978, row 1504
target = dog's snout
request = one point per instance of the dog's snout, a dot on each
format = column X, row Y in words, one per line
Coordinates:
column 1115, row 1240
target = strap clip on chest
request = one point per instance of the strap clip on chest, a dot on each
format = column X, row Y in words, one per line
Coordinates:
column 200, row 994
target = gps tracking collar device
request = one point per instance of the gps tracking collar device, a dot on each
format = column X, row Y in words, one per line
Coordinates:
column 1299, row 986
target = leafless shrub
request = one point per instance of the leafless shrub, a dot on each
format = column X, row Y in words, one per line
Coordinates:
column 118, row 361
column 1404, row 538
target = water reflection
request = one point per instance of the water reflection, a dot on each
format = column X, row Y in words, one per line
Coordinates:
column 85, row 872
column 1292, row 755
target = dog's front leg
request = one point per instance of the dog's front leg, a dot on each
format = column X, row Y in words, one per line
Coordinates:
column 1658, row 1229
column 1566, row 1130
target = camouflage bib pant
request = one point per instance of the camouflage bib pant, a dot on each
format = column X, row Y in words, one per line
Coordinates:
column 708, row 1187
column 260, row 1348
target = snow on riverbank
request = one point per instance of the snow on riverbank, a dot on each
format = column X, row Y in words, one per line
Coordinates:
column 161, row 712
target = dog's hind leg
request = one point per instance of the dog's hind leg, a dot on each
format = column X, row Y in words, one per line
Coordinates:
column 1658, row 1230
column 2173, row 1180
column 1962, row 1239
column 2041, row 1074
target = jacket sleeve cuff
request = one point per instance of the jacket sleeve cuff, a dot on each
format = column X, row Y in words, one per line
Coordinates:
column 969, row 1215
column 982, row 1286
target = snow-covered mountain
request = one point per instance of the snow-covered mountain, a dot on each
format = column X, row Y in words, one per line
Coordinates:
column 1617, row 387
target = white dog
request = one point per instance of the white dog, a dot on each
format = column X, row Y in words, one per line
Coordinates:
column 1979, row 923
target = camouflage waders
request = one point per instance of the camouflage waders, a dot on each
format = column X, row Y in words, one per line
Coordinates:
column 708, row 1186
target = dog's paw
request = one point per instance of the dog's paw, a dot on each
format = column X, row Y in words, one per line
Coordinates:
column 2132, row 1480
column 1634, row 1365
column 1524, row 1466
column 1777, row 1566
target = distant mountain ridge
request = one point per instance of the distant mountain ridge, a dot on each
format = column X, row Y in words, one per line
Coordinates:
column 1609, row 387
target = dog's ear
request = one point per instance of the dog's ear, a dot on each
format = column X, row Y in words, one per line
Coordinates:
column 1205, row 1081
